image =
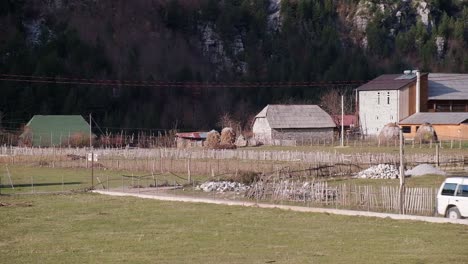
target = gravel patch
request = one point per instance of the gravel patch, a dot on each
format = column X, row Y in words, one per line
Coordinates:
column 424, row 169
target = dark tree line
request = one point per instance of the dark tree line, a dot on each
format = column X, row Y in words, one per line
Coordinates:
column 311, row 45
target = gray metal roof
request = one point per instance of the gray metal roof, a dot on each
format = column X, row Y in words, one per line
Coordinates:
column 448, row 86
column 296, row 116
column 438, row 118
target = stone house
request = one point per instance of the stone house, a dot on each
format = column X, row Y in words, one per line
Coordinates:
column 296, row 123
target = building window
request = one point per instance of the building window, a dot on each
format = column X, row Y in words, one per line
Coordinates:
column 388, row 97
column 406, row 129
column 417, row 127
column 376, row 117
column 378, row 98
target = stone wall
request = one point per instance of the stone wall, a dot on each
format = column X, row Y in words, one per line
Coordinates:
column 303, row 135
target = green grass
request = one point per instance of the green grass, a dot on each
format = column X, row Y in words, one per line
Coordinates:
column 50, row 179
column 86, row 228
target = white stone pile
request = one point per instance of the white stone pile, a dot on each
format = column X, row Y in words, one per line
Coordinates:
column 381, row 171
column 222, row 186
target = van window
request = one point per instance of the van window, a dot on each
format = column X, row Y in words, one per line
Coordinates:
column 462, row 190
column 449, row 189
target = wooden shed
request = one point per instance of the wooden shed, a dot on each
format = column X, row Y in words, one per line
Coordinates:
column 448, row 126
column 296, row 123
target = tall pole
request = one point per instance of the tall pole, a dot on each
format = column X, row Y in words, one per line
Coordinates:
column 402, row 175
column 90, row 131
column 342, row 120
column 91, row 149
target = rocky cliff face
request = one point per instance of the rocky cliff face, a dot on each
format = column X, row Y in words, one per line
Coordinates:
column 176, row 39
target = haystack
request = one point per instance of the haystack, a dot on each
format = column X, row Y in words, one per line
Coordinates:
column 389, row 133
column 213, row 139
column 425, row 134
column 228, row 136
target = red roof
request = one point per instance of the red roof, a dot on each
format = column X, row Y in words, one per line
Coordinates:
column 192, row 135
column 349, row 120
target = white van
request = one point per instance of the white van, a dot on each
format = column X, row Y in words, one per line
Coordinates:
column 452, row 198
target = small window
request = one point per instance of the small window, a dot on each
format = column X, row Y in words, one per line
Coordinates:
column 377, row 117
column 378, row 98
column 388, row 97
column 406, row 129
column 462, row 190
column 417, row 127
column 449, row 189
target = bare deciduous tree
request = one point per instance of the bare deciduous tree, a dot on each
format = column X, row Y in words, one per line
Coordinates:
column 331, row 103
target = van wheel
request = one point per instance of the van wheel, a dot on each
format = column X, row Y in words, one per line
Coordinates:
column 453, row 213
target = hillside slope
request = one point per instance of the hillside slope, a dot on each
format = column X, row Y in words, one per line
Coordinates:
column 211, row 40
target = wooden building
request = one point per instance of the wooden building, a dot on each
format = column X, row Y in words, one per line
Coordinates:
column 296, row 123
column 448, row 92
column 448, row 126
column 190, row 139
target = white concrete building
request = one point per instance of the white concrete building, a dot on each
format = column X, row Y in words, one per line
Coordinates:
column 390, row 98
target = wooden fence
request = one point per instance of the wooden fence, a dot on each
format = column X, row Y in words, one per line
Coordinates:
column 258, row 155
column 418, row 201
column 210, row 162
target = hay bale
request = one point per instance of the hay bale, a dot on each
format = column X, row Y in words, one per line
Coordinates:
column 425, row 134
column 213, row 139
column 389, row 133
column 228, row 136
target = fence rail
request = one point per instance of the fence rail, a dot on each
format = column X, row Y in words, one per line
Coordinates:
column 419, row 201
column 273, row 155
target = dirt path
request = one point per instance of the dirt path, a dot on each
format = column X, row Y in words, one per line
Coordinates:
column 176, row 198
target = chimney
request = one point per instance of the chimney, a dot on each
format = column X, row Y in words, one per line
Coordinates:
column 418, row 91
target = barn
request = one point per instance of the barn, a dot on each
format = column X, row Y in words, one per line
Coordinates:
column 56, row 130
column 299, row 123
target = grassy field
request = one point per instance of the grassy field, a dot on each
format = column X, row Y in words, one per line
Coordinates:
column 50, row 179
column 87, row 228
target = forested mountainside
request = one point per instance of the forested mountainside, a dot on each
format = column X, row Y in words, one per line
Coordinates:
column 212, row 41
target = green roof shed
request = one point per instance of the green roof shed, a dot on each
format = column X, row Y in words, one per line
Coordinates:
column 56, row 130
